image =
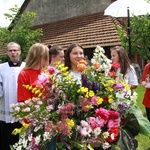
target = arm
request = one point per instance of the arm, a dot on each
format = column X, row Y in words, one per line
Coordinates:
column 144, row 74
column 1, row 86
column 132, row 78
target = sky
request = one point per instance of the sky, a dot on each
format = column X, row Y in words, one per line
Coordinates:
column 5, row 5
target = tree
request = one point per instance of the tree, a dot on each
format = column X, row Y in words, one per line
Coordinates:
column 140, row 35
column 19, row 31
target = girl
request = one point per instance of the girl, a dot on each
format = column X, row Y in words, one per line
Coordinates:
column 119, row 55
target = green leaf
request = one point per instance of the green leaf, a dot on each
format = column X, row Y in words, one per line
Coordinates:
column 144, row 123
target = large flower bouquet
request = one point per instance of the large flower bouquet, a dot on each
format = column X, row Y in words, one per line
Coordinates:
column 98, row 111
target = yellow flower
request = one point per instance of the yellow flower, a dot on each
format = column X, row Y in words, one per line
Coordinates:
column 110, row 98
column 65, row 73
column 91, row 93
column 88, row 106
column 37, row 91
column 16, row 131
column 110, row 82
column 25, row 125
column 83, row 89
column 33, row 90
column 69, row 78
column 70, row 122
column 64, row 69
column 127, row 87
column 99, row 100
column 109, row 89
column 39, row 95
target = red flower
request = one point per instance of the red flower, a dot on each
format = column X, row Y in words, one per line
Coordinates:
column 105, row 98
column 115, row 65
column 114, row 132
column 112, row 74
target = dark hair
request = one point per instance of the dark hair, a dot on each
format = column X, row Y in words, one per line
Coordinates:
column 124, row 60
column 67, row 54
column 54, row 51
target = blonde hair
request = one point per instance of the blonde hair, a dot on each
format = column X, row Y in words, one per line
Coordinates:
column 12, row 43
column 36, row 54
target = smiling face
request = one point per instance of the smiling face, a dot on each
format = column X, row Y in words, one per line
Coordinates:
column 76, row 55
column 114, row 56
column 13, row 52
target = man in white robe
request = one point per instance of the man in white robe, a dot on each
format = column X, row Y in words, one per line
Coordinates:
column 8, row 92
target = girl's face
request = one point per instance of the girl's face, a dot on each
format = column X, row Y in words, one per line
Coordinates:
column 59, row 57
column 76, row 55
column 114, row 56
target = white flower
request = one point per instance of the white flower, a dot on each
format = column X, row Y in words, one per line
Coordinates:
column 112, row 136
column 46, row 136
column 119, row 95
column 19, row 148
column 49, row 108
column 25, row 142
column 36, row 128
column 37, row 140
column 106, row 134
column 27, row 109
column 17, row 109
column 134, row 97
column 106, row 145
column 39, row 102
column 97, row 131
column 30, row 137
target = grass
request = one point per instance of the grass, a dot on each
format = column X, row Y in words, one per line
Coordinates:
column 143, row 141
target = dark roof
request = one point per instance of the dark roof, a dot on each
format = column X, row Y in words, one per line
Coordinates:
column 89, row 31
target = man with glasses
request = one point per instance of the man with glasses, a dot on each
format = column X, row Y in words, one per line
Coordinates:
column 8, row 92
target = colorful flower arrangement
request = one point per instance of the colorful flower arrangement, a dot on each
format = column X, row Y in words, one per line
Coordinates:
column 99, row 112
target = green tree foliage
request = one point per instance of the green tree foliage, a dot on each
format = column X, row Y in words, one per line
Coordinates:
column 19, row 31
column 139, row 35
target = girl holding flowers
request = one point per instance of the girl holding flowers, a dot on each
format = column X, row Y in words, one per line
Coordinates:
column 73, row 55
column 37, row 58
column 119, row 56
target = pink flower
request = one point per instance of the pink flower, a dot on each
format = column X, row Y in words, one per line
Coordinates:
column 93, row 100
column 84, row 129
column 92, row 121
column 43, row 78
column 51, row 70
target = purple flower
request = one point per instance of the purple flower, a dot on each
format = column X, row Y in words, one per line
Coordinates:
column 122, row 108
column 95, row 86
column 85, row 81
column 118, row 86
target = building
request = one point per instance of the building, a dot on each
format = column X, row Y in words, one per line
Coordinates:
column 67, row 21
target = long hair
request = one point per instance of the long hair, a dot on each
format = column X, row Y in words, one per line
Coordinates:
column 36, row 54
column 124, row 60
column 67, row 54
column 54, row 51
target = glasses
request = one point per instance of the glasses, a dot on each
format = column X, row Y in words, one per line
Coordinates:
column 13, row 50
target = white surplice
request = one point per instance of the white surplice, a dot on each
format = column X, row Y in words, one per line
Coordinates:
column 8, row 89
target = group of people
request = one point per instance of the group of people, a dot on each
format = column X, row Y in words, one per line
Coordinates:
column 15, row 73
